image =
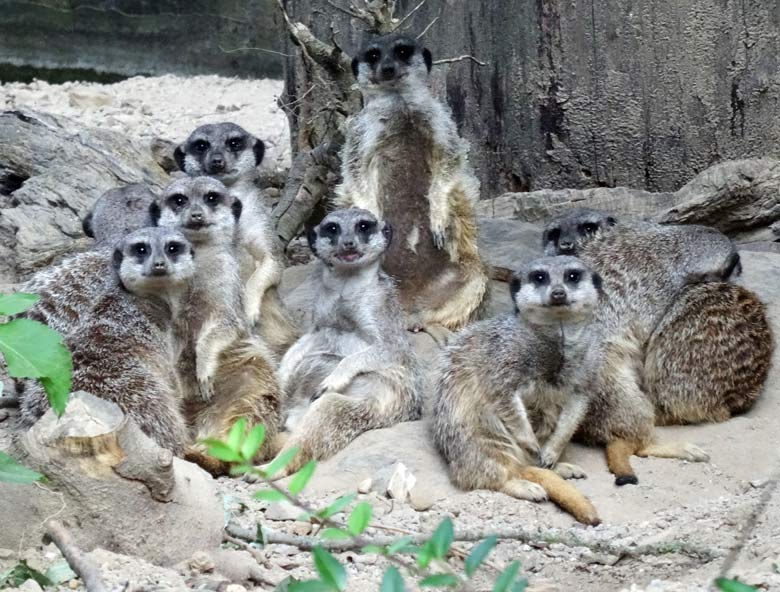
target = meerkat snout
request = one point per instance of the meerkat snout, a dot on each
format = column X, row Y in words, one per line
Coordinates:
column 350, row 238
column 555, row 289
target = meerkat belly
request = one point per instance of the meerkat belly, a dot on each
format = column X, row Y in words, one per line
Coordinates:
column 544, row 402
column 403, row 165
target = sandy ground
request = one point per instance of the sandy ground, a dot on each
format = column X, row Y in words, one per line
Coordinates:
column 166, row 106
column 670, row 533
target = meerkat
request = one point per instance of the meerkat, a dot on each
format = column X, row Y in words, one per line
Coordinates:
column 227, row 372
column 69, row 290
column 230, row 154
column 404, row 162
column 511, row 391
column 355, row 369
column 117, row 213
column 123, row 350
column 709, row 356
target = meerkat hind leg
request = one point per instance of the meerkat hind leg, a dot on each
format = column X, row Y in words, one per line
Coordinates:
column 524, row 490
column 569, row 471
column 681, row 450
column 619, row 453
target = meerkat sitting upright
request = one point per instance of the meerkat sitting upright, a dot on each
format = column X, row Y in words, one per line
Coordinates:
column 123, row 348
column 512, row 391
column 355, row 369
column 227, row 373
column 230, row 154
column 404, row 161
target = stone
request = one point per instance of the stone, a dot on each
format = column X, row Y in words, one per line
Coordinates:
column 30, row 586
column 421, row 497
column 365, row 485
column 89, row 99
column 282, row 511
column 400, row 483
column 301, row 528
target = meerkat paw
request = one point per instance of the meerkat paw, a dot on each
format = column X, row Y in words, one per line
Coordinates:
column 335, row 382
column 693, row 453
column 524, row 490
column 439, row 238
column 548, row 457
column 206, row 388
column 569, row 471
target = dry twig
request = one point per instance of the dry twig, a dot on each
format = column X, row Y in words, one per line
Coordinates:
column 459, row 59
column 80, row 563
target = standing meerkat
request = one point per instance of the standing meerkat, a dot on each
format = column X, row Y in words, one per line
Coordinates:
column 404, row 162
column 226, row 371
column 355, row 369
column 709, row 355
column 227, row 152
column 512, row 391
column 123, row 350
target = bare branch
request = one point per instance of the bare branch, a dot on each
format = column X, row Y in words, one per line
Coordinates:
column 426, row 29
column 263, row 49
column 459, row 59
column 80, row 563
column 408, row 16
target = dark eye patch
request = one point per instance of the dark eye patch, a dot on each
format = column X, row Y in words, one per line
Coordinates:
column 236, row 144
column 140, row 250
column 404, row 52
column 330, row 230
column 177, row 201
column 200, row 146
column 553, row 235
column 365, row 228
column 373, row 55
column 212, row 198
column 539, row 277
column 572, row 276
column 174, row 248
column 588, row 228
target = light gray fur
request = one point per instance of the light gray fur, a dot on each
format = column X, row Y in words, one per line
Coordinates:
column 355, row 369
column 119, row 212
column 124, row 349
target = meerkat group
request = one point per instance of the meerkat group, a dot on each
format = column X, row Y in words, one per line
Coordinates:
column 175, row 314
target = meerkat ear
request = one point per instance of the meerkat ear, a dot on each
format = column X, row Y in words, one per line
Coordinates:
column 155, row 213
column 387, row 232
column 178, row 156
column 514, row 287
column 428, row 57
column 236, row 207
column 611, row 221
column 116, row 261
column 259, row 150
column 311, row 236
column 86, row 225
column 597, row 282
column 355, row 64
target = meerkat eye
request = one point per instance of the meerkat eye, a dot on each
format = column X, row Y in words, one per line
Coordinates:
column 365, row 226
column 573, row 276
column 177, row 200
column 589, row 227
column 404, row 52
column 539, row 278
column 174, row 248
column 201, row 146
column 212, row 197
column 373, row 55
column 235, row 144
column 140, row 249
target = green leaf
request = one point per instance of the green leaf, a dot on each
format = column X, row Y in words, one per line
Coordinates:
column 333, row 533
column 400, row 545
column 60, row 573
column 236, row 470
column 221, row 451
column 507, row 577
column 727, row 585
column 359, row 518
column 442, row 539
column 301, row 478
column 439, row 581
column 260, row 536
column 520, row 585
column 309, row 586
column 337, row 505
column 330, row 570
column 284, row 585
column 270, row 495
column 33, row 350
column 373, row 550
column 12, row 472
column 253, row 442
column 20, row 573
column 425, row 555
column 280, row 462
column 392, row 580
column 236, row 435
column 479, row 554
column 13, row 304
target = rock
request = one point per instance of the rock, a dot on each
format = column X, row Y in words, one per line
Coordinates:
column 301, row 528
column 202, row 562
column 51, row 172
column 103, row 474
column 400, row 483
column 591, row 557
column 235, row 588
column 30, row 586
column 89, row 99
column 422, row 498
column 365, row 485
column 282, row 511
column 162, row 152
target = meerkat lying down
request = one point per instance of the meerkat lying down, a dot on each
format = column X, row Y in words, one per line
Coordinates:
column 355, row 369
column 512, row 391
column 687, row 345
column 123, row 349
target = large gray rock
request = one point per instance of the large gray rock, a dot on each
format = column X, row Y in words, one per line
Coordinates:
column 51, row 172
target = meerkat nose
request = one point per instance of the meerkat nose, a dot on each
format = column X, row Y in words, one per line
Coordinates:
column 558, row 296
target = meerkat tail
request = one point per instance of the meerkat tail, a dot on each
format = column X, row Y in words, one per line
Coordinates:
column 563, row 494
column 500, row 274
column 681, row 450
column 618, row 460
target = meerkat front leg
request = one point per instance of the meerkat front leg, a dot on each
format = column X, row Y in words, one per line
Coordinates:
column 520, row 426
column 267, row 273
column 439, row 203
column 348, row 368
column 569, row 420
column 212, row 341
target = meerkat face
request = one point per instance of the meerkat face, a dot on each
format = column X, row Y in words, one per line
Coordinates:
column 222, row 150
column 201, row 208
column 152, row 260
column 554, row 290
column 562, row 234
column 391, row 62
column 350, row 238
